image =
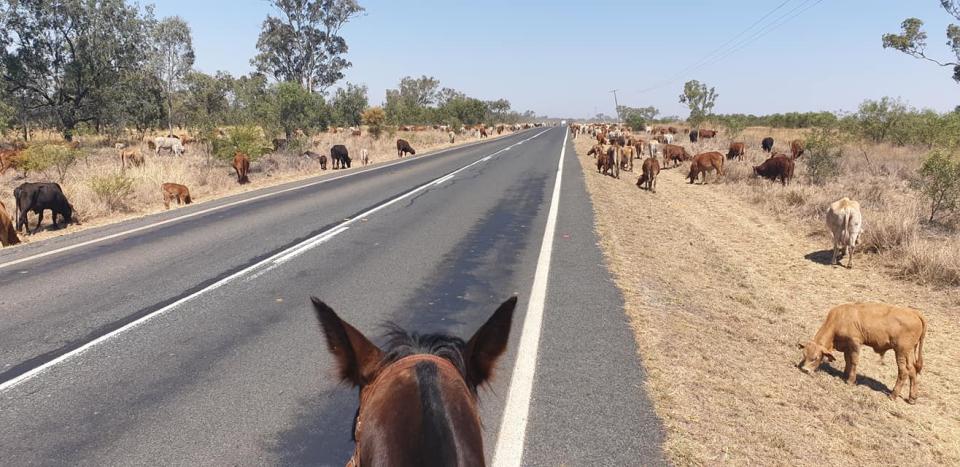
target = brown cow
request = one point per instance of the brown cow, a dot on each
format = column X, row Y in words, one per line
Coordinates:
column 707, row 134
column 355, row 132
column 778, row 166
column 483, row 132
column 677, row 154
column 672, row 130
column 626, row 158
column 596, row 150
column 876, row 325
column 132, row 156
column 706, row 162
column 648, row 178
column 605, row 161
column 797, row 148
column 737, row 150
column 241, row 163
column 8, row 234
column 175, row 191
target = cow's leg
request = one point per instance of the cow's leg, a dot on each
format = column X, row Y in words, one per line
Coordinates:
column 850, row 249
column 902, row 373
column 851, row 358
column 39, row 220
column 836, row 249
column 912, row 369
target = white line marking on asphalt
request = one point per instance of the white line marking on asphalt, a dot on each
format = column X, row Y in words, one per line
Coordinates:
column 271, row 262
column 513, row 427
column 227, row 205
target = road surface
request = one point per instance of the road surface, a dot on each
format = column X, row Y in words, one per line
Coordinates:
column 187, row 337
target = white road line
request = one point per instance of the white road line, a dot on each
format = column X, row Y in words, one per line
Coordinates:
column 271, row 262
column 513, row 428
column 227, row 205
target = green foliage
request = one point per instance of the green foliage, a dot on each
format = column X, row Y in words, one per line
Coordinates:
column 700, row 100
column 734, row 127
column 297, row 108
column 940, row 182
column 824, row 152
column 43, row 156
column 248, row 140
column 912, row 40
column 112, row 190
column 348, row 104
column 635, row 121
column 374, row 118
column 646, row 113
column 876, row 120
column 171, row 57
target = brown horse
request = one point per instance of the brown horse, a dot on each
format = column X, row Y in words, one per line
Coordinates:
column 418, row 397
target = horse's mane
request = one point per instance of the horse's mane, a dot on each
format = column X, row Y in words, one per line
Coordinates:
column 401, row 343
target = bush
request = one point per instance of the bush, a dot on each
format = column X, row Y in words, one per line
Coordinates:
column 824, row 151
column 940, row 182
column 246, row 139
column 43, row 156
column 374, row 118
column 112, row 190
column 636, row 122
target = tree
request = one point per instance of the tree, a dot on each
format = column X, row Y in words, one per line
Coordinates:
column 734, row 127
column 171, row 57
column 348, row 104
column 877, row 119
column 297, row 108
column 700, row 99
column 61, row 53
column 419, row 92
column 498, row 108
column 940, row 182
column 645, row 113
column 303, row 45
column 374, row 118
column 913, row 40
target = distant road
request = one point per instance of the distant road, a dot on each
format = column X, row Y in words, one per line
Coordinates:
column 186, row 337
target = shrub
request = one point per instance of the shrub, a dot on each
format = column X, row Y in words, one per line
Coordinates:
column 636, row 122
column 112, row 190
column 824, row 152
column 249, row 140
column 940, row 182
column 374, row 118
column 43, row 156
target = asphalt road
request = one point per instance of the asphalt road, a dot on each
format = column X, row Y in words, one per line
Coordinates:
column 192, row 342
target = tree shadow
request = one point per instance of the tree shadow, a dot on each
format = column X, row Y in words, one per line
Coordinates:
column 861, row 379
column 823, row 257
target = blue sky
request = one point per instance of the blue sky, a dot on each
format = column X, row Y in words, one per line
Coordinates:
column 561, row 57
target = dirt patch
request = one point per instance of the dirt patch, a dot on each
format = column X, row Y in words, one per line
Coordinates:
column 719, row 292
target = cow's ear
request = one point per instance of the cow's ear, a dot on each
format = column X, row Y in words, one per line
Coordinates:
column 829, row 357
column 488, row 343
column 801, row 345
column 357, row 358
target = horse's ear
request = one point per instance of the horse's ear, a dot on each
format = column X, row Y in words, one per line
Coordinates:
column 488, row 343
column 357, row 358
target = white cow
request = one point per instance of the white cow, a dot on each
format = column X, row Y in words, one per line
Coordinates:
column 845, row 223
column 172, row 144
column 668, row 138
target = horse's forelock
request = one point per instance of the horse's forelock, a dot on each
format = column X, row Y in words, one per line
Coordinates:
column 401, row 343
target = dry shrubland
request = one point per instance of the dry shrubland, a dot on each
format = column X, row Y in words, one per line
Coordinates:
column 102, row 192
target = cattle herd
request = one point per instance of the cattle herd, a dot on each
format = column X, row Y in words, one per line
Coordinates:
column 847, row 327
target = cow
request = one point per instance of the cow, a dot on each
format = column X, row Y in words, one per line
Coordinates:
column 279, row 143
column 403, row 147
column 654, row 147
column 323, row 162
column 706, row 162
column 767, row 144
column 38, row 197
column 778, row 166
column 364, row 156
column 173, row 144
column 8, row 234
column 879, row 326
column 452, row 136
column 605, row 161
column 672, row 130
column 626, row 158
column 500, row 129
column 483, row 132
column 355, row 132
column 707, row 134
column 241, row 164
column 797, row 147
column 737, row 150
column 693, row 136
column 340, row 157
column 674, row 153
column 175, row 191
column 648, row 176
column 668, row 138
column 131, row 156
column 845, row 223
column 596, row 150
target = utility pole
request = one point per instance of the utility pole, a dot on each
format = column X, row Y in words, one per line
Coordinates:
column 616, row 109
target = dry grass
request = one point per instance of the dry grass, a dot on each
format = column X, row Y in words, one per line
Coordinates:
column 206, row 181
column 719, row 290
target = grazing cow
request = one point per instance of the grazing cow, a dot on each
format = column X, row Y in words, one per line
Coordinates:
column 38, row 197
column 172, row 144
column 879, row 326
column 131, row 156
column 605, row 161
column 241, row 164
column 845, row 223
column 707, row 134
column 675, row 153
column 452, row 136
column 648, row 178
column 778, row 166
column 693, row 136
column 737, row 150
column 175, row 191
column 323, row 162
column 797, row 147
column 767, row 144
column 403, row 147
column 364, row 156
column 8, row 234
column 596, row 150
column 703, row 163
column 340, row 157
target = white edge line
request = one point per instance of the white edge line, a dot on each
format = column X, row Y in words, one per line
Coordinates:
column 280, row 256
column 231, row 204
column 513, row 427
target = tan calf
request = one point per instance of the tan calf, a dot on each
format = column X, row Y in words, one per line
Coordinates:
column 175, row 191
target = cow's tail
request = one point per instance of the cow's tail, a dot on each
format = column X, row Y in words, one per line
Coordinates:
column 918, row 365
column 845, row 235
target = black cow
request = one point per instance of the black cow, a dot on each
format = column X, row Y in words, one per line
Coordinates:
column 340, row 157
column 403, row 147
column 38, row 197
column 694, row 134
column 767, row 144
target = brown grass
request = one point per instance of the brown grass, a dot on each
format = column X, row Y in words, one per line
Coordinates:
column 206, row 181
column 719, row 290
